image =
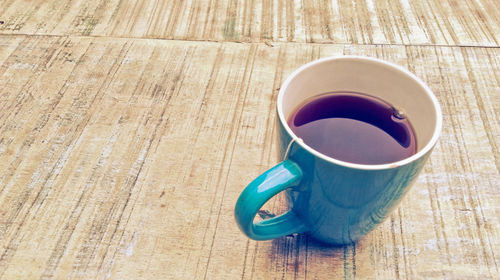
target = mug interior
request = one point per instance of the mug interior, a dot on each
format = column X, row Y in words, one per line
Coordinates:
column 389, row 82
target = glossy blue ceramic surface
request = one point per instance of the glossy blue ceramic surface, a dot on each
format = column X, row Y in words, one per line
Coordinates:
column 333, row 203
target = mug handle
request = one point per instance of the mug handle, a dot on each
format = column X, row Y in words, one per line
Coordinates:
column 286, row 174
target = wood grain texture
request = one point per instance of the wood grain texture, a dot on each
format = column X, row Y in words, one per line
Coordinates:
column 444, row 22
column 123, row 159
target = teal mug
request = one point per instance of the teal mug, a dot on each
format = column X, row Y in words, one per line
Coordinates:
column 334, row 201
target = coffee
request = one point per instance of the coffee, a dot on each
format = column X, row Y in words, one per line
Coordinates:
column 354, row 127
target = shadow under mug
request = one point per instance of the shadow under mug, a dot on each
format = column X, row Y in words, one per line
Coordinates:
column 334, row 201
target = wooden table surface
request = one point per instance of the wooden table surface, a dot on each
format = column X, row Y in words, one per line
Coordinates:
column 129, row 128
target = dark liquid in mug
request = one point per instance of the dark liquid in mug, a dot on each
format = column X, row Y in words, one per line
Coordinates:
column 354, row 127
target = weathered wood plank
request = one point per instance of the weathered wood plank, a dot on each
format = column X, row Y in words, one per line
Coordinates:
column 448, row 22
column 123, row 158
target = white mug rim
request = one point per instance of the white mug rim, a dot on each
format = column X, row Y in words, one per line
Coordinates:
column 430, row 144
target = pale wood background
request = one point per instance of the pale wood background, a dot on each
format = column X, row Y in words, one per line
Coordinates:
column 129, row 128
